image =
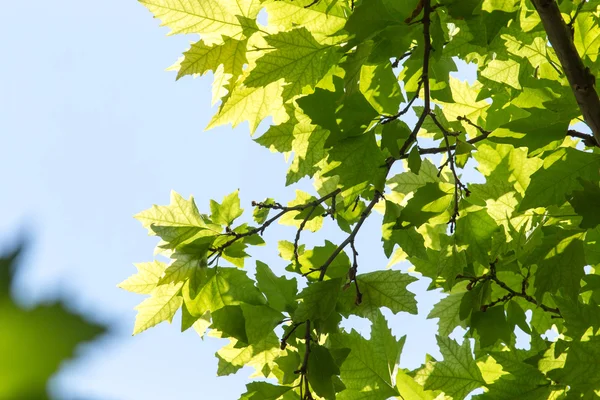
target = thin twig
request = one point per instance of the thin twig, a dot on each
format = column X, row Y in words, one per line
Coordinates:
column 299, row 232
column 376, row 197
column 458, row 185
column 261, row 229
column 285, row 337
column 492, row 276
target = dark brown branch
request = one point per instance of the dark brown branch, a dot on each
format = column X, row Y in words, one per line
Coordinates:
column 580, row 78
column 491, row 276
column 588, row 140
column 299, row 232
column 376, row 197
column 396, row 62
column 285, row 337
column 261, row 229
column 459, row 187
column 424, row 77
column 386, row 120
column 303, row 371
column 352, row 274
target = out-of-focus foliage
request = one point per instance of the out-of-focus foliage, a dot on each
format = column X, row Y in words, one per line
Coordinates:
column 34, row 341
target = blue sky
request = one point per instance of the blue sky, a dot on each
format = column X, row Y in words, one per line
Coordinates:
column 93, row 131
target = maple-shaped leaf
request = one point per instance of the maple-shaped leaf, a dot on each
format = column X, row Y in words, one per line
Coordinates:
column 323, row 18
column 368, row 371
column 163, row 303
column 358, row 162
column 378, row 289
column 506, row 167
column 236, row 355
column 314, row 258
column 369, row 18
column 585, row 202
column 223, row 286
column 264, row 391
column 582, row 366
column 560, row 259
column 209, row 18
column 297, row 58
column 474, row 229
column 558, row 177
column 520, row 378
column 252, row 104
column 448, row 312
column 260, row 321
column 184, row 267
column 322, row 370
column 579, row 317
column 457, row 375
column 408, row 182
column 179, row 223
column 429, row 203
column 201, row 58
column 466, row 102
column 318, row 300
column 411, row 390
column 228, row 211
column 380, row 87
column 280, row 291
column 146, row 279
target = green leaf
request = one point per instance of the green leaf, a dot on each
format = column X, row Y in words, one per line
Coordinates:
column 297, row 57
column 163, row 303
column 260, row 321
column 201, row 58
column 184, row 267
column 322, row 369
column 380, row 87
column 585, row 203
column 318, row 301
column 230, row 321
column 264, row 391
column 280, row 291
column 35, row 342
column 582, row 367
column 457, row 375
column 379, row 289
column 503, row 71
column 474, row 229
column 236, row 355
column 558, row 177
column 448, row 312
column 228, row 211
column 324, row 18
column 491, row 326
column 414, row 160
column 252, row 104
column 146, row 279
column 411, row 390
column 224, row 287
column 369, row 367
column 560, row 260
column 315, row 258
column 430, row 203
column 210, row 18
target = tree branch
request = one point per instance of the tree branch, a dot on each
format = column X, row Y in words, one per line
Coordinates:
column 581, row 80
column 283, row 210
column 491, row 276
column 350, row 238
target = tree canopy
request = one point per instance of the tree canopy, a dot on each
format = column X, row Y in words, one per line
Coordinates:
column 340, row 82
